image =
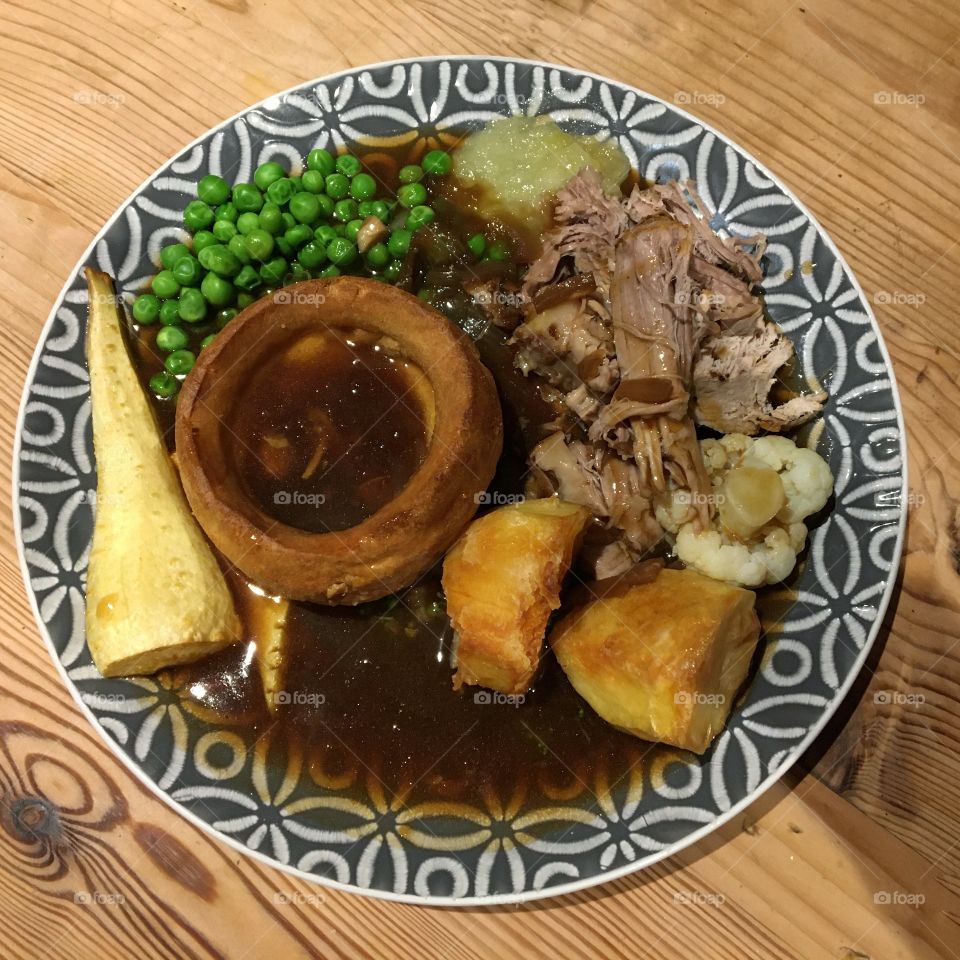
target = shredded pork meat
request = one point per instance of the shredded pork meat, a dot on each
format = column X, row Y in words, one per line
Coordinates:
column 646, row 320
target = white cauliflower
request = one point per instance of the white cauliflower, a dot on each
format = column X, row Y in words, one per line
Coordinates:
column 769, row 553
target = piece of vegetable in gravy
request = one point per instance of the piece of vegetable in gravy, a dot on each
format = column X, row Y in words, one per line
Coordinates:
column 142, row 614
column 663, row 659
column 502, row 580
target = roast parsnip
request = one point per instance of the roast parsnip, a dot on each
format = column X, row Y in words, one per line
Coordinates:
column 155, row 594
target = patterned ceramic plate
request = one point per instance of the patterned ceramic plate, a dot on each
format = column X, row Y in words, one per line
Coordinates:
column 488, row 848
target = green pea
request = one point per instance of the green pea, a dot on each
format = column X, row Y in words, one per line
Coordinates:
column 411, row 173
column 284, row 247
column 247, row 278
column 201, row 239
column 274, row 271
column 477, row 244
column 271, row 219
column 399, row 242
column 197, row 215
column 280, row 191
column 165, row 285
column 392, row 270
column 163, row 385
column 325, row 233
column 363, row 187
column 326, row 205
column 213, row 189
column 498, row 250
column 312, row 255
column 207, row 340
column 312, row 181
column 247, row 222
column 411, row 194
column 378, row 255
column 298, row 235
column 238, row 247
column 328, row 272
column 146, row 309
column 288, row 219
column 320, row 160
column 172, row 338
column 298, row 273
column 171, row 253
column 419, row 216
column 193, row 307
column 218, row 292
column 247, row 198
column 345, row 210
column 186, row 271
column 220, row 260
column 337, row 186
column 341, row 252
column 351, row 230
column 267, row 173
column 227, row 211
column 225, row 315
column 296, row 183
column 259, row 244
column 348, row 165
column 381, row 209
column 169, row 312
column 305, row 207
column 180, row 362
column 223, row 230
column 437, row 162
column 244, row 300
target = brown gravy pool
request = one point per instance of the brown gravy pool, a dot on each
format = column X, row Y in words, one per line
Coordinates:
column 328, row 431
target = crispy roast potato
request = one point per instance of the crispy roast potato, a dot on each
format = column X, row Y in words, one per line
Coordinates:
column 142, row 615
column 662, row 660
column 502, row 580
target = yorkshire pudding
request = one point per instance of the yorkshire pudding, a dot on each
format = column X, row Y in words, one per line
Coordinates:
column 366, row 393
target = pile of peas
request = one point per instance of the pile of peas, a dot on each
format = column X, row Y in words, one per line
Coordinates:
column 251, row 238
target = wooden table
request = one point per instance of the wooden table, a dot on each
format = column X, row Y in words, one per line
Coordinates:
column 855, row 107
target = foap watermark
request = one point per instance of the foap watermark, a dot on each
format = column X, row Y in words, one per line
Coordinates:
column 699, row 898
column 687, row 98
column 495, row 697
column 699, row 699
column 891, row 499
column 704, row 299
column 694, row 498
column 85, row 898
column 494, row 498
column 290, row 295
column 894, row 98
column 300, row 698
column 898, row 698
column 97, row 98
column 284, row 898
column 498, row 298
column 899, row 298
column 297, row 498
column 898, row 898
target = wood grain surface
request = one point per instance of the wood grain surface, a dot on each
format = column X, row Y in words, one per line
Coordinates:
column 855, row 106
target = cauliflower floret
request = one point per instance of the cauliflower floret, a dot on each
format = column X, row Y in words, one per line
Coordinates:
column 770, row 553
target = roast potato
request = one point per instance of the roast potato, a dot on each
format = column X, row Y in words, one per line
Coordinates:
column 502, row 581
column 662, row 660
column 144, row 613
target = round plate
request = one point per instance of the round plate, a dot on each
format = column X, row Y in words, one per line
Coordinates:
column 496, row 850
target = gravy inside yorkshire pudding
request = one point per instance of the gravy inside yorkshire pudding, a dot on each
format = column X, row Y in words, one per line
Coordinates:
column 333, row 439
